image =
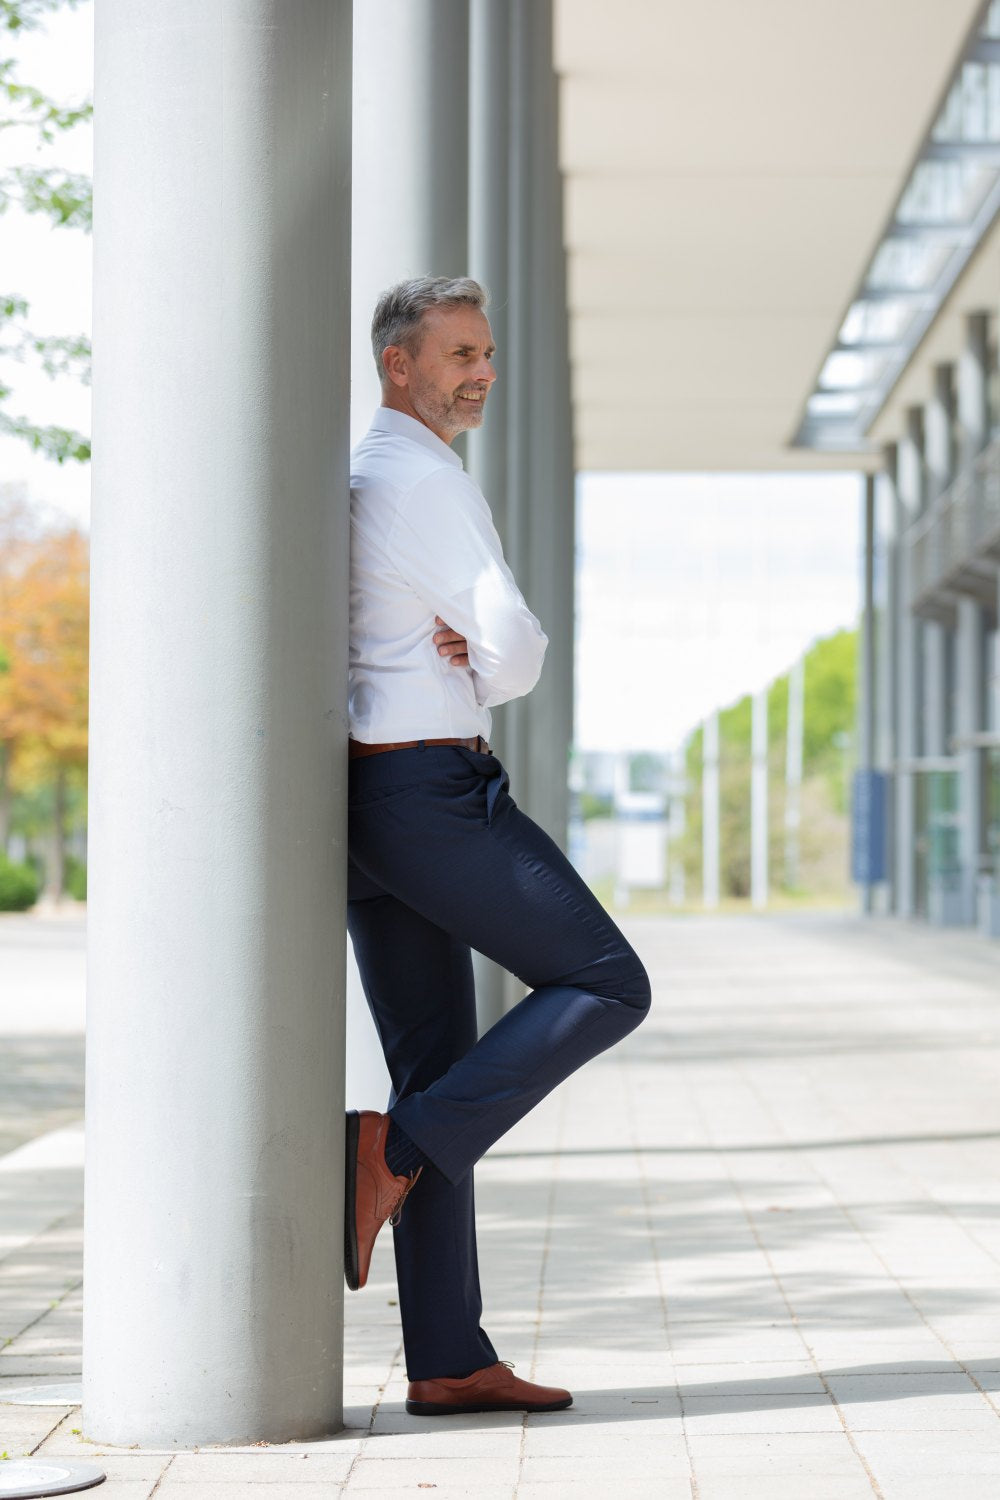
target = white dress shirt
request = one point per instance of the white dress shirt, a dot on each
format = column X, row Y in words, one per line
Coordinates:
column 423, row 543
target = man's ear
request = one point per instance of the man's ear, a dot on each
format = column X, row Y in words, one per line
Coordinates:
column 396, row 363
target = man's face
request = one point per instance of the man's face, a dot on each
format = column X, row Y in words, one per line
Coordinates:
column 446, row 380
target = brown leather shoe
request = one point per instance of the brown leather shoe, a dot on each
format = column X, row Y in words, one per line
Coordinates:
column 371, row 1193
column 496, row 1388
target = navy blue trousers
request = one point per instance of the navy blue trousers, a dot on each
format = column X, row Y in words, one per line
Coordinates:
column 443, row 861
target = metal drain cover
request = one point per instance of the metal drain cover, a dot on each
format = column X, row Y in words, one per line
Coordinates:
column 69, row 1394
column 25, row 1478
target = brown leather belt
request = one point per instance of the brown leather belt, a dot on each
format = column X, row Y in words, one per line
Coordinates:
column 356, row 748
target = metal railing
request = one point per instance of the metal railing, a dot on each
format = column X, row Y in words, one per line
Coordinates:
column 955, row 547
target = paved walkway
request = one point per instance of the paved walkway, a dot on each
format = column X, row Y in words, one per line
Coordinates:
column 761, row 1241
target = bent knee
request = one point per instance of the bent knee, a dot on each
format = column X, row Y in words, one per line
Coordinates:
column 634, row 991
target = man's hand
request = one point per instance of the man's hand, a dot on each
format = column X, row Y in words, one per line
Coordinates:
column 450, row 643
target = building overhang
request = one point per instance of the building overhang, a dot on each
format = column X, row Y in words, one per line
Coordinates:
column 730, row 173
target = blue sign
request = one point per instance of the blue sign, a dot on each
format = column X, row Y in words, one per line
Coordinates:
column 868, row 830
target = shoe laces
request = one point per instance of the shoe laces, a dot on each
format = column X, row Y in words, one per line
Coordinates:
column 394, row 1217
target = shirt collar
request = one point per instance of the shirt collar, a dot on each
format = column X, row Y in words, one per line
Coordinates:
column 387, row 419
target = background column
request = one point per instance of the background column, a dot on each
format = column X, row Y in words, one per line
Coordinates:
column 541, row 507
column 867, row 655
column 909, row 489
column 710, row 881
column 411, row 218
column 886, row 584
column 411, row 153
column 969, row 721
column 974, row 428
column 971, row 390
column 758, row 802
column 220, row 551
column 489, row 220
column 939, row 471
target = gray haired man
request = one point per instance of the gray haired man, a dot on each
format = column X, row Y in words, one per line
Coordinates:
column 442, row 861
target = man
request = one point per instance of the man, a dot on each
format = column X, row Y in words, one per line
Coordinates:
column 441, row 859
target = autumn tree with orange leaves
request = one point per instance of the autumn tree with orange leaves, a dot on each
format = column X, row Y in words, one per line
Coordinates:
column 44, row 643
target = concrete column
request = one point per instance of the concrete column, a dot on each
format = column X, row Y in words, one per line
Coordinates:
column 972, row 393
column 489, row 224
column 886, row 585
column 909, row 495
column 411, row 143
column 939, row 471
column 867, row 652
column 969, row 721
column 549, row 578
column 710, row 812
column 520, row 266
column 794, row 745
column 758, row 803
column 939, row 427
column 538, row 730
column 220, row 551
column 934, row 688
column 489, row 259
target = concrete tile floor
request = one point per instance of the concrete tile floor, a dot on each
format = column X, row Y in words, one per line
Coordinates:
column 761, row 1242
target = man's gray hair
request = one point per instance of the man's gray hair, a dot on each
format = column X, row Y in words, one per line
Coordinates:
column 399, row 311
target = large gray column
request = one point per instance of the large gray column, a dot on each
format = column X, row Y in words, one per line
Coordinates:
column 411, row 130
column 909, row 493
column 538, row 731
column 969, row 721
column 523, row 455
column 489, row 260
column 410, row 218
column 550, row 578
column 489, row 225
column 214, row 1139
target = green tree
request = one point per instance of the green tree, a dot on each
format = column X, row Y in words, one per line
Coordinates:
column 829, row 718
column 65, row 199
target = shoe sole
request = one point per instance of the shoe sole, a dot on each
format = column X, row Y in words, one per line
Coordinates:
column 352, row 1274
column 437, row 1409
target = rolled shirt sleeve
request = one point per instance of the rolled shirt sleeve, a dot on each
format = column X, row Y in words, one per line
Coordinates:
column 444, row 543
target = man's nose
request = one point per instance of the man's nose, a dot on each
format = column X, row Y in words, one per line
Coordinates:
column 485, row 371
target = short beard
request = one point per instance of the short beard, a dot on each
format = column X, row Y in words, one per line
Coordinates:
column 443, row 414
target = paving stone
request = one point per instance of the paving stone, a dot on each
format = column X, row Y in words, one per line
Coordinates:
column 784, row 1414
column 932, row 1452
column 670, row 1459
column 763, row 1378
column 958, row 1485
column 281, row 1489
column 657, row 1487
column 546, row 1437
column 917, row 1402
column 257, row 1468
column 496, row 1477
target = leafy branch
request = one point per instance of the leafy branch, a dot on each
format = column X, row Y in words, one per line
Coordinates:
column 58, row 443
column 27, row 15
column 36, row 110
column 65, row 197
column 57, row 354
